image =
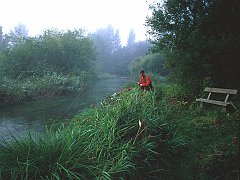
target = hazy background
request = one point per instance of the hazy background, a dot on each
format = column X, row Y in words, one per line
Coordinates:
column 39, row 15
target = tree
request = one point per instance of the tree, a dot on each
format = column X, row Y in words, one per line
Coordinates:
column 1, row 34
column 199, row 39
column 112, row 58
column 107, row 43
column 131, row 38
column 55, row 51
column 16, row 36
column 20, row 31
column 151, row 63
column 127, row 54
column 1, row 38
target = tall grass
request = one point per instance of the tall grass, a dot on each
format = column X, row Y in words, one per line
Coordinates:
column 14, row 90
column 212, row 135
column 125, row 137
column 131, row 135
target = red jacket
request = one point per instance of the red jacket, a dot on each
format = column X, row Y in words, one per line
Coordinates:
column 145, row 80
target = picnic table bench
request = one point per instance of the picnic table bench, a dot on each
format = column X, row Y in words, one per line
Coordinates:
column 225, row 103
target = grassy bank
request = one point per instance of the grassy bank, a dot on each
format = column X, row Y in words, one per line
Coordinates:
column 212, row 137
column 131, row 135
column 49, row 85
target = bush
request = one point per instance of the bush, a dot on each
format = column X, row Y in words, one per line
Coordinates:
column 152, row 63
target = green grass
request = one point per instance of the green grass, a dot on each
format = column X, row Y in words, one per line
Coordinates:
column 15, row 90
column 130, row 135
column 212, row 154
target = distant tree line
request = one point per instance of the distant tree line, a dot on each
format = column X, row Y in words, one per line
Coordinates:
column 199, row 40
column 61, row 52
column 50, row 64
column 57, row 62
column 112, row 57
column 109, row 55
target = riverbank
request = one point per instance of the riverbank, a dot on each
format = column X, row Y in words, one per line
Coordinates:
column 131, row 135
column 34, row 115
column 32, row 88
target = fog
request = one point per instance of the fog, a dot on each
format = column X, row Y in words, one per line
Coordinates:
column 38, row 16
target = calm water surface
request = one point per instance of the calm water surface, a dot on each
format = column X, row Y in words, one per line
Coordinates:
column 18, row 119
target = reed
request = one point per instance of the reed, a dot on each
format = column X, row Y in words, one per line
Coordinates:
column 123, row 137
column 130, row 135
column 49, row 85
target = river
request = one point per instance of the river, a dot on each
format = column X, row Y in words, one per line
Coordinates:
column 17, row 120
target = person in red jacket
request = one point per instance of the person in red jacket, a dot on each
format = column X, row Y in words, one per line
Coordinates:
column 145, row 82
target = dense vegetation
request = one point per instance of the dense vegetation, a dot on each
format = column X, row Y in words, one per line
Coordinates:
column 151, row 63
column 113, row 58
column 132, row 134
column 51, row 64
column 160, row 136
column 59, row 62
column 199, row 40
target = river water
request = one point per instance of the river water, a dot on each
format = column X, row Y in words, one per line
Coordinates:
column 17, row 120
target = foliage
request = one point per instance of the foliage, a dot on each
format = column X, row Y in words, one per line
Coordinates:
column 112, row 57
column 108, row 142
column 151, row 63
column 212, row 136
column 51, row 64
column 160, row 136
column 199, row 39
column 19, row 31
column 126, row 55
column 107, row 43
column 49, row 85
column 131, row 38
column 68, row 52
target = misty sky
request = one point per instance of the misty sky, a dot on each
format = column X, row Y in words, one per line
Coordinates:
column 39, row 15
